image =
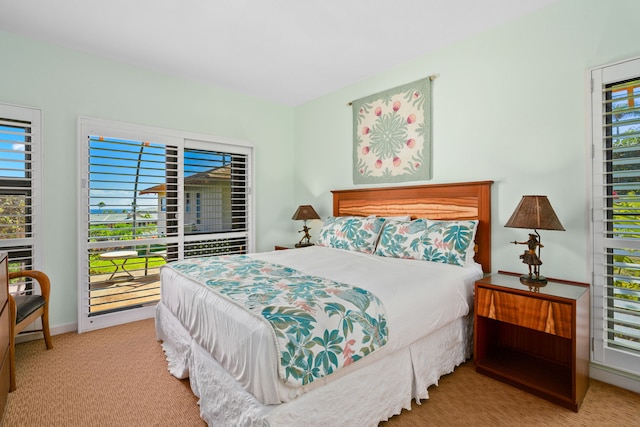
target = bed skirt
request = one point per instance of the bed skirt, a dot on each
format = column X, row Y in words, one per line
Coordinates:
column 364, row 395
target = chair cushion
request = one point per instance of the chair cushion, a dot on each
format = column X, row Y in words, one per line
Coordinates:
column 27, row 304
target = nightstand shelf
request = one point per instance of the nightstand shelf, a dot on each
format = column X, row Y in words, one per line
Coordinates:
column 536, row 341
column 534, row 374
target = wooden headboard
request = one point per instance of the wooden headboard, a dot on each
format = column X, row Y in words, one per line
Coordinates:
column 457, row 201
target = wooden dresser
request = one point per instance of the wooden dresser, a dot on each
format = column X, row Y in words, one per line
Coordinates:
column 536, row 339
column 4, row 332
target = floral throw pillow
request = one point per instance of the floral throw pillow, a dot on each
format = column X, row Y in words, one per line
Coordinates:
column 352, row 233
column 451, row 242
column 402, row 239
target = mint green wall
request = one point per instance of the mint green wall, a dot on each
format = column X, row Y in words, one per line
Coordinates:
column 66, row 84
column 509, row 105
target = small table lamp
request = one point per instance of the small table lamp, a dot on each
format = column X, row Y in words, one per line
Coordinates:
column 305, row 212
column 534, row 212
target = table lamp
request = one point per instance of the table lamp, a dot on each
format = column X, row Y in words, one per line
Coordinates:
column 304, row 213
column 534, row 212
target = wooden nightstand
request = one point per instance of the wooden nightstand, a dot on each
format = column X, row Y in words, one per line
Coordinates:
column 284, row 247
column 536, row 341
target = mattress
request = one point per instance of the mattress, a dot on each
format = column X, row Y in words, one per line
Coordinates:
column 420, row 298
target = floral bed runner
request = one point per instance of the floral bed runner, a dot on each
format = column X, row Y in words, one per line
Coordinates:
column 319, row 325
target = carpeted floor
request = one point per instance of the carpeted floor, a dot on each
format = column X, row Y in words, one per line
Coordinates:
column 466, row 398
column 110, row 377
column 118, row 377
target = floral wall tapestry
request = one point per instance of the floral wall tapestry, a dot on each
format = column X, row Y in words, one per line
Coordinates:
column 392, row 135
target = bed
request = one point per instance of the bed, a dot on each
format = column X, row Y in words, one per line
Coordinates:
column 236, row 363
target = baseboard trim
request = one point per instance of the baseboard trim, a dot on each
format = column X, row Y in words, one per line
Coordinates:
column 72, row 327
column 614, row 377
column 37, row 335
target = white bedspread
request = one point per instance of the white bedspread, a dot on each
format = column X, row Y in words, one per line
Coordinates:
column 419, row 296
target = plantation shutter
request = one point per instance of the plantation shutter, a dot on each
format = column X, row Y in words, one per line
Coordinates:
column 216, row 201
column 125, row 179
column 616, row 216
column 130, row 232
column 20, row 189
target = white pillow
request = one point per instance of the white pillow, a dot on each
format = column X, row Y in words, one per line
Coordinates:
column 398, row 218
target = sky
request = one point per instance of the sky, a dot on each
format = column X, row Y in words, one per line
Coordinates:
column 113, row 165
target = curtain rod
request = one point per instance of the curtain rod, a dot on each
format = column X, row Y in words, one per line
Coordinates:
column 432, row 77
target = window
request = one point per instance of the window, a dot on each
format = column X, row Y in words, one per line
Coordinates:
column 20, row 189
column 145, row 194
column 616, row 215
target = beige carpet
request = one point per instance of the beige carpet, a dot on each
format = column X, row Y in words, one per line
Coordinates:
column 118, row 377
column 110, row 377
column 466, row 398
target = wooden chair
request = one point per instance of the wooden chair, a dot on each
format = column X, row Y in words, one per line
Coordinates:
column 24, row 310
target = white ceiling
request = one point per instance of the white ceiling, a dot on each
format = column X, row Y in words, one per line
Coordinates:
column 286, row 51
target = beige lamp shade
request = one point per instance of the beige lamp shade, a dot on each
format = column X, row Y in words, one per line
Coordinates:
column 534, row 212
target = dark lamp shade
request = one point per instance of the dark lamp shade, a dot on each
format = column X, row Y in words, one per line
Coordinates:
column 534, row 212
column 305, row 212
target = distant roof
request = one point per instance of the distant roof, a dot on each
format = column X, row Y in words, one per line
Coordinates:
column 202, row 178
column 110, row 217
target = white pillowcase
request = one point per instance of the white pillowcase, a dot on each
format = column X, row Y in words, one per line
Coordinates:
column 398, row 218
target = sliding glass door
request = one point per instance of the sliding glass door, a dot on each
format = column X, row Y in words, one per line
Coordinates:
column 149, row 199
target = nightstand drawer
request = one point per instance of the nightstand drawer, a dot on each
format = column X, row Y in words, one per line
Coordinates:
column 529, row 312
